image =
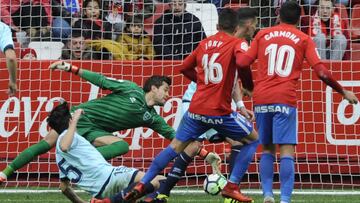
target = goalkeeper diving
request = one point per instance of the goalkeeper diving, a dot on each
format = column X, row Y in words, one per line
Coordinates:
column 127, row 106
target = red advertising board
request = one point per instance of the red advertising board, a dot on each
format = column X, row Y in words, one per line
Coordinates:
column 329, row 140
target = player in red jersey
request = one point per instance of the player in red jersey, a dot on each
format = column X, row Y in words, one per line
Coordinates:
column 211, row 105
column 280, row 51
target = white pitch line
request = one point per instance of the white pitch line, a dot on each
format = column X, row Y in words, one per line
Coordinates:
column 183, row 191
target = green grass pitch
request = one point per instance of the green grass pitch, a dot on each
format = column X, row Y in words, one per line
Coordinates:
column 198, row 197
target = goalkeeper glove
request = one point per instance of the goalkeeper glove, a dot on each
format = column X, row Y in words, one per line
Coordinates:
column 62, row 65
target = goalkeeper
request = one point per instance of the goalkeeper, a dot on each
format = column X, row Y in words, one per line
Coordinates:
column 128, row 106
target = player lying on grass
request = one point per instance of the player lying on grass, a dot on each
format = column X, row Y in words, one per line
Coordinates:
column 280, row 51
column 211, row 105
column 124, row 108
column 81, row 164
column 247, row 26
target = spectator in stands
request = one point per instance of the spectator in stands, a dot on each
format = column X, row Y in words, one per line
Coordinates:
column 267, row 10
column 329, row 31
column 65, row 13
column 115, row 17
column 91, row 22
column 26, row 14
column 135, row 40
column 28, row 54
column 177, row 33
column 75, row 48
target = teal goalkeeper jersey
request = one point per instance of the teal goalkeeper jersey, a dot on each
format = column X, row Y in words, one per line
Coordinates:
column 122, row 109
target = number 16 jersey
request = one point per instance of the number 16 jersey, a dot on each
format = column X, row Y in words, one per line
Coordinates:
column 215, row 58
column 280, row 51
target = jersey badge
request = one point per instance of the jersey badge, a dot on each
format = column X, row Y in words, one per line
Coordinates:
column 146, row 116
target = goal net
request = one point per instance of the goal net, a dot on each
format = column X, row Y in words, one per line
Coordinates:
column 328, row 153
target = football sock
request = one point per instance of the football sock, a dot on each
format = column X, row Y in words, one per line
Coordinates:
column 119, row 197
column 27, row 156
column 242, row 161
column 159, row 163
column 113, row 150
column 234, row 152
column 287, row 177
column 267, row 173
column 154, row 194
column 177, row 171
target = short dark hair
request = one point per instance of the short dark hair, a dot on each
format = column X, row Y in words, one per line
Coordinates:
column 228, row 20
column 157, row 81
column 136, row 19
column 59, row 118
column 290, row 12
column 245, row 14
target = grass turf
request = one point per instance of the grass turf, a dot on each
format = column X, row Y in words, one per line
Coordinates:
column 58, row 197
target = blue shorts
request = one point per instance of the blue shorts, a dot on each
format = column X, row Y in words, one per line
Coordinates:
column 276, row 123
column 234, row 126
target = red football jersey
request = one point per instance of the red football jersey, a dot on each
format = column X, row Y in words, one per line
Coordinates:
column 216, row 72
column 280, row 51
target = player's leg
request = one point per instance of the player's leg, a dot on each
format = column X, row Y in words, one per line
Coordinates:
column 107, row 144
column 287, row 172
column 29, row 154
column 110, row 146
column 235, row 149
column 266, row 170
column 238, row 128
column 179, row 167
column 285, row 134
column 264, row 123
column 186, row 133
column 122, row 180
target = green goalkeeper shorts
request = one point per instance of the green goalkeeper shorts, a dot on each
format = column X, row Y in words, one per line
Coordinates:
column 89, row 131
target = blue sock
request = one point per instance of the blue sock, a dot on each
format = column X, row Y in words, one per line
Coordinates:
column 177, row 171
column 234, row 152
column 159, row 163
column 287, row 177
column 267, row 173
column 154, row 194
column 242, row 161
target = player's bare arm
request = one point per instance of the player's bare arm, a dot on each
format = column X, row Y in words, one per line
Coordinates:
column 11, row 64
column 325, row 75
column 238, row 98
column 65, row 142
column 67, row 190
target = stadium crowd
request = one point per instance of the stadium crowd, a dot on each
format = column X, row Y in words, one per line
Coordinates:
column 160, row 30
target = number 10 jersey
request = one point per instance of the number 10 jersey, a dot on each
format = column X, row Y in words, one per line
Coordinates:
column 280, row 51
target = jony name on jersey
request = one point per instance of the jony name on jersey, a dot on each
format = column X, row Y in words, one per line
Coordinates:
column 205, row 119
column 286, row 34
column 212, row 44
column 272, row 109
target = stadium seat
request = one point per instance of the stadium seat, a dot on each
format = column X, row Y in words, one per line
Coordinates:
column 355, row 22
column 207, row 14
column 149, row 22
column 47, row 50
column 355, row 51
